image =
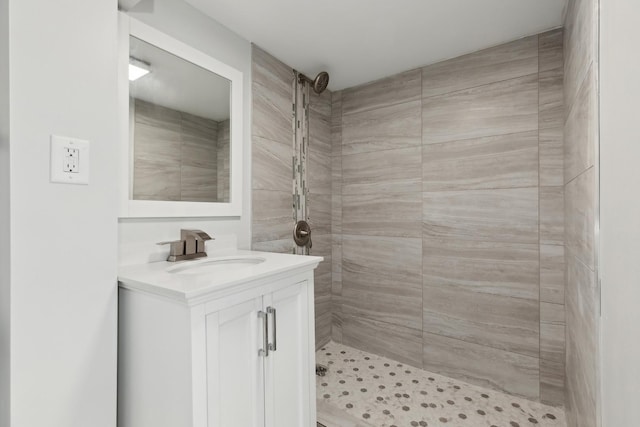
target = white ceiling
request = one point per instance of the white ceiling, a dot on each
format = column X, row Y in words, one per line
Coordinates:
column 358, row 41
column 178, row 84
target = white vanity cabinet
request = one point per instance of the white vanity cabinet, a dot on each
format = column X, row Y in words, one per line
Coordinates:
column 253, row 381
column 208, row 352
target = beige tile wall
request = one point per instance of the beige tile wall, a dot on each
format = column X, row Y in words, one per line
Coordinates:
column 582, row 294
column 448, row 232
column 224, row 155
column 551, row 205
column 179, row 156
column 381, row 299
column 319, row 174
column 437, row 200
column 336, row 216
column 272, row 153
column 272, row 174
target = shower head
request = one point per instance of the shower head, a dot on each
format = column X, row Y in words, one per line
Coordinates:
column 320, row 83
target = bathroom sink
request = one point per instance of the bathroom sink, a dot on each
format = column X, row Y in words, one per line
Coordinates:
column 215, row 265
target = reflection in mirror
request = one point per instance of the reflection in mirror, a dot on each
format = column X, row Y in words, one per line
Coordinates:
column 179, row 119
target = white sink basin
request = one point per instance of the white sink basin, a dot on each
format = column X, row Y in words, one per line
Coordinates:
column 215, row 265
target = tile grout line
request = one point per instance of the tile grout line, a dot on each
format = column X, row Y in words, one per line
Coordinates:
column 421, row 203
column 539, row 228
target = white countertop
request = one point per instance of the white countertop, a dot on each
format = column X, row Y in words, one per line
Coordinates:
column 157, row 278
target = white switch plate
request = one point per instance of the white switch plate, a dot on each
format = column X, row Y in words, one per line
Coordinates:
column 69, row 160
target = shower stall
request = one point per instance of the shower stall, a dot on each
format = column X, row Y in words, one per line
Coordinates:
column 436, row 197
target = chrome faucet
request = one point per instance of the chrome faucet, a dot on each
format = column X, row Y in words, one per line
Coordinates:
column 191, row 245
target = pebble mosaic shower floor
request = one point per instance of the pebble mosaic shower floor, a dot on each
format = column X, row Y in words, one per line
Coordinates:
column 380, row 392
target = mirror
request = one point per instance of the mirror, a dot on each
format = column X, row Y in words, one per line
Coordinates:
column 184, row 117
column 180, row 127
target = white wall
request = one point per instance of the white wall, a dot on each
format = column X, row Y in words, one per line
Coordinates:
column 64, row 237
column 5, row 284
column 620, row 211
column 185, row 23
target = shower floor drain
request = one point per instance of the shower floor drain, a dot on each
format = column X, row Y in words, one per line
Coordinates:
column 321, row 370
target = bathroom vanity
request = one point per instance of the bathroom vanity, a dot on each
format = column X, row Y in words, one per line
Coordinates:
column 224, row 341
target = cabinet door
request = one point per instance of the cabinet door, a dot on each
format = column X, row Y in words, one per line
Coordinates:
column 288, row 365
column 235, row 370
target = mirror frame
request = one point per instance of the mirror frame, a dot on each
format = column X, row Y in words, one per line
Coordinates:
column 130, row 208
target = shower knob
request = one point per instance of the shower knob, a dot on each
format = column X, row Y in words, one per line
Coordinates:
column 302, row 233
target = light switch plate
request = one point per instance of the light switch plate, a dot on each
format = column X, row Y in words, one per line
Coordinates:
column 69, row 160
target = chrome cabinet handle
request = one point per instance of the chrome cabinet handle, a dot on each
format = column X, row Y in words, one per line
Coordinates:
column 274, row 312
column 264, row 351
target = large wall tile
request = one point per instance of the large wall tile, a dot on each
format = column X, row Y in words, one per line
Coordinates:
column 199, row 184
column 505, row 107
column 175, row 155
column 154, row 144
column 157, row 116
column 580, row 44
column 224, row 157
column 336, row 202
column 551, row 105
column 481, row 365
column 403, row 87
column 580, row 216
column 552, row 340
column 323, row 327
column 196, row 154
column 506, row 269
column 319, row 213
column 272, row 215
column 385, row 171
column 396, row 342
column 336, row 216
column 199, row 127
column 552, row 274
column 581, row 130
column 322, row 246
column 511, row 324
column 504, row 62
column 551, row 55
column 270, row 70
column 282, row 246
column 272, row 163
column 394, row 126
column 552, row 378
column 393, row 214
column 336, row 270
column 336, row 123
column 381, row 279
column 551, row 147
column 319, row 171
column 581, row 138
column 580, row 157
column 322, row 273
column 503, row 215
column 503, row 161
column 552, row 215
column 336, row 321
column 156, row 181
column 272, row 97
column 582, row 344
column 552, row 313
column 320, row 122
